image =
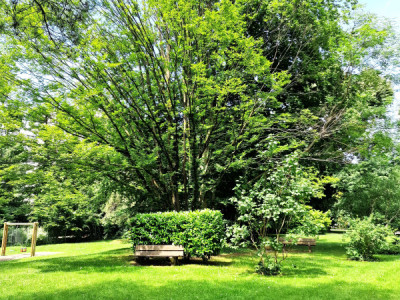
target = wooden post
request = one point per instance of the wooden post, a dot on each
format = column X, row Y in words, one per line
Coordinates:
column 4, row 242
column 174, row 260
column 34, row 238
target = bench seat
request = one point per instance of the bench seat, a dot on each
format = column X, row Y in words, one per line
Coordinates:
column 171, row 251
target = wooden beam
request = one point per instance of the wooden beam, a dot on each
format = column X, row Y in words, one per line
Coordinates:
column 4, row 242
column 34, row 238
column 20, row 224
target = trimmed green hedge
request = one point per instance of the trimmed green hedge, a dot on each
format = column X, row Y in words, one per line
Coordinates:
column 200, row 232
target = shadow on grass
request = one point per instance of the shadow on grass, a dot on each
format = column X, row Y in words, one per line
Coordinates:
column 387, row 257
column 264, row 288
column 298, row 265
column 101, row 262
column 119, row 251
column 329, row 247
column 164, row 261
column 212, row 262
column 296, row 268
column 106, row 261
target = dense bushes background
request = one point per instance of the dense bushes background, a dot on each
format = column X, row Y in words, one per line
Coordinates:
column 200, row 232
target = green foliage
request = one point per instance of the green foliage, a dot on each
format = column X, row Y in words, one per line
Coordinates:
column 365, row 239
column 172, row 99
column 14, row 163
column 332, row 52
column 200, row 232
column 391, row 247
column 63, row 210
column 268, row 267
column 371, row 187
column 342, row 220
column 276, row 204
column 277, row 199
column 168, row 86
column 117, row 211
column 313, row 222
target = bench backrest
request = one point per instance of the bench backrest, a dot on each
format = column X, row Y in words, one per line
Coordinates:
column 159, row 250
column 304, row 241
column 300, row 241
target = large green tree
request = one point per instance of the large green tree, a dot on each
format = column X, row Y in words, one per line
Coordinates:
column 165, row 84
column 335, row 56
column 174, row 100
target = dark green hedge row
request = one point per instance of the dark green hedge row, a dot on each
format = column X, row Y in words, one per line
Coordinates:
column 200, row 232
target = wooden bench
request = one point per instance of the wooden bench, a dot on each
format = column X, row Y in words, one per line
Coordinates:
column 171, row 251
column 300, row 242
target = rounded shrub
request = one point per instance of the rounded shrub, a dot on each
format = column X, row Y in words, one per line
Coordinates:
column 365, row 239
column 200, row 232
column 268, row 267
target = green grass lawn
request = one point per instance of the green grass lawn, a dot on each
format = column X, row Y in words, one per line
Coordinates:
column 104, row 270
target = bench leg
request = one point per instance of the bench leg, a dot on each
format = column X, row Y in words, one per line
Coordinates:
column 309, row 249
column 174, row 260
column 140, row 260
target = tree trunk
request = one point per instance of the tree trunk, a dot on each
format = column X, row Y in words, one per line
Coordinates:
column 194, row 162
column 184, row 160
column 175, row 198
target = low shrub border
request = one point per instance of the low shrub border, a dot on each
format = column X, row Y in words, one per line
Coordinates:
column 200, row 232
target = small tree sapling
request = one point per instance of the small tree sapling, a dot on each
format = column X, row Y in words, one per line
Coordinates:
column 273, row 205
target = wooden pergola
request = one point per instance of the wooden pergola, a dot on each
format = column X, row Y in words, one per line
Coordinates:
column 34, row 236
